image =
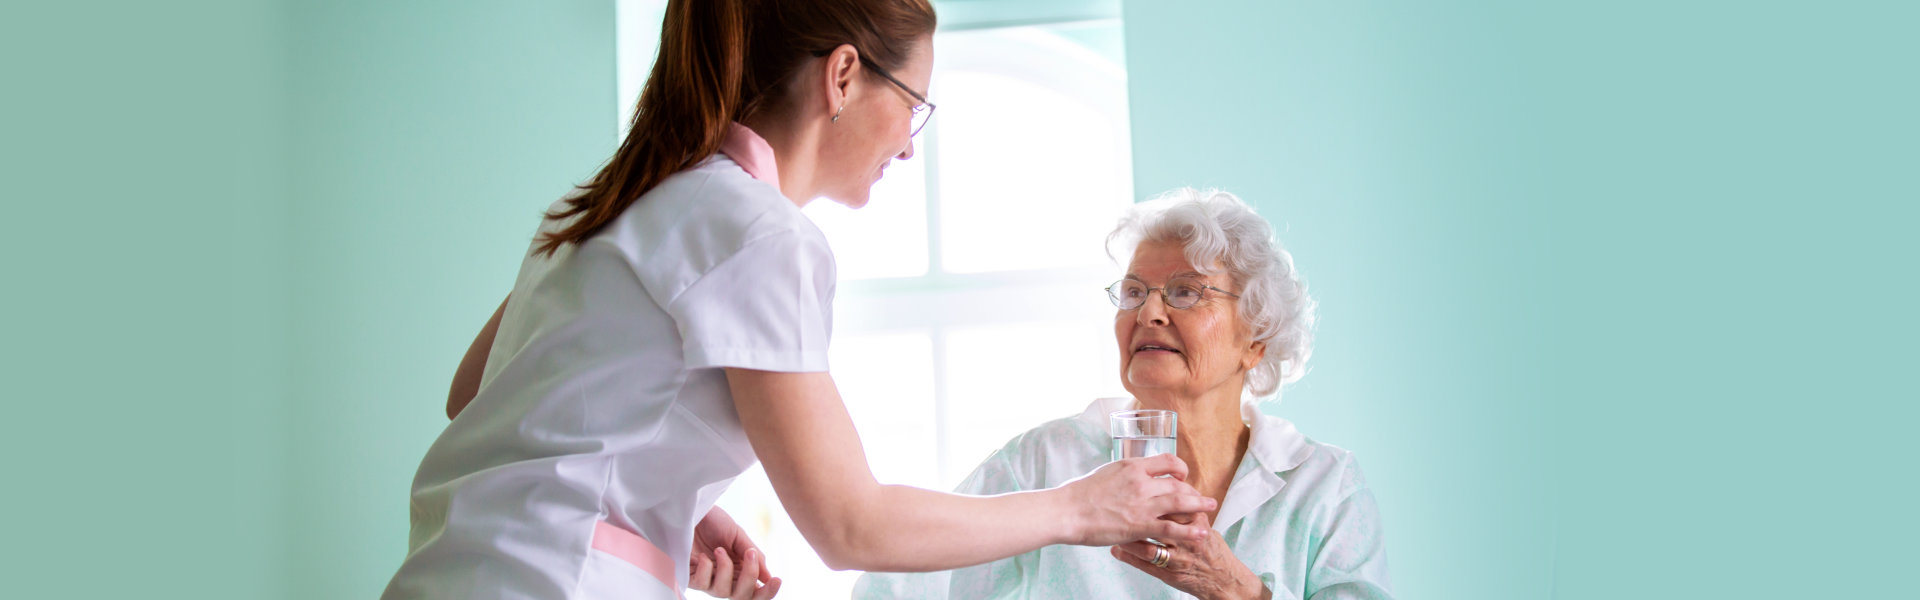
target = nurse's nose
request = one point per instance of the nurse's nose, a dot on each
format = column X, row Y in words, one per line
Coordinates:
column 907, row 153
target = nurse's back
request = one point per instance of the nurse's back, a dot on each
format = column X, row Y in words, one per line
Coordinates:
column 593, row 406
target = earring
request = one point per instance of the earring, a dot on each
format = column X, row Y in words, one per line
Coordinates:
column 836, row 114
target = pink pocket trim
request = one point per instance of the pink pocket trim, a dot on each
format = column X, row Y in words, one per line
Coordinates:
column 635, row 550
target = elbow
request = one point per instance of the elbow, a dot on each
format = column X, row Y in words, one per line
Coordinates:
column 852, row 543
column 840, row 562
column 848, row 531
column 844, row 550
column 858, row 561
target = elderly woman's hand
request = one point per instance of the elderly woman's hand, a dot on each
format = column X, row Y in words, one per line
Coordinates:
column 1205, row 568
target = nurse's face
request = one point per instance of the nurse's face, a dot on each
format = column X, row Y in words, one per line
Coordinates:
column 875, row 128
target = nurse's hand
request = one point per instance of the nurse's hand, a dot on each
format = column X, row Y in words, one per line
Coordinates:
column 1125, row 500
column 717, row 543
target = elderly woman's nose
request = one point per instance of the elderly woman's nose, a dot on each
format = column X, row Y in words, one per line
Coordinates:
column 1152, row 311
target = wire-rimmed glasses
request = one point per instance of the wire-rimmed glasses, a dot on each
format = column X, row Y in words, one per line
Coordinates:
column 922, row 112
column 1179, row 292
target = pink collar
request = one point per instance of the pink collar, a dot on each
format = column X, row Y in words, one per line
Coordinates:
column 752, row 153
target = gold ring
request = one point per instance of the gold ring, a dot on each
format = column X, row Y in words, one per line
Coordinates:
column 1161, row 556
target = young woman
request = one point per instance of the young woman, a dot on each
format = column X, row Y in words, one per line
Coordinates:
column 669, row 327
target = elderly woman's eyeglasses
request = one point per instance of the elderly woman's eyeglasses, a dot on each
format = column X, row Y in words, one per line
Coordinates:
column 1180, row 292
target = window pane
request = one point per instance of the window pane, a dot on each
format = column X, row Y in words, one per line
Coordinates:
column 888, row 236
column 1004, row 380
column 1035, row 164
column 887, row 383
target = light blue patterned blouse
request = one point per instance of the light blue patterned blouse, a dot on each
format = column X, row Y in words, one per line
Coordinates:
column 1298, row 514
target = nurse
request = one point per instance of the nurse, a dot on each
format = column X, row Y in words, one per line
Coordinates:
column 669, row 327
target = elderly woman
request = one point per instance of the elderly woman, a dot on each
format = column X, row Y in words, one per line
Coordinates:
column 1211, row 311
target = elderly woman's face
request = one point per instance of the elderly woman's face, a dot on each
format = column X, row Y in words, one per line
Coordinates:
column 1187, row 352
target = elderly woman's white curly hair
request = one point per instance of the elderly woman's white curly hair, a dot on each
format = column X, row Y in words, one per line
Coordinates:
column 1215, row 227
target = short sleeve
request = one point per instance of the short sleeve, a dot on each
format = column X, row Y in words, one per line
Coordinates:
column 767, row 307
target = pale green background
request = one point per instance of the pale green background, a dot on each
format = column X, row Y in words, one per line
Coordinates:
column 1616, row 298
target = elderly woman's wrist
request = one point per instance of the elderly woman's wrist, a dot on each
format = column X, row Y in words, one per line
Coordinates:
column 1252, row 588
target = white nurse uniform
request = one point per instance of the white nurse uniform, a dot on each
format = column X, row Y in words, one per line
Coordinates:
column 604, row 429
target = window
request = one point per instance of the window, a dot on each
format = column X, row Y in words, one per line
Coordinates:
column 970, row 306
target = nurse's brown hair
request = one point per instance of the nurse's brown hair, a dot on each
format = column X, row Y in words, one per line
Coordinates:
column 722, row 61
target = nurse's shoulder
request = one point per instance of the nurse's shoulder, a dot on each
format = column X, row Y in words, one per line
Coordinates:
column 701, row 217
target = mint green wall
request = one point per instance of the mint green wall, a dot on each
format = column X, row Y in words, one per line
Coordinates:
column 247, row 242
column 1615, row 298
column 429, row 136
column 143, row 336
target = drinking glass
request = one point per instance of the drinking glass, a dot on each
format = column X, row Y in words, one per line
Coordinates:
column 1138, row 433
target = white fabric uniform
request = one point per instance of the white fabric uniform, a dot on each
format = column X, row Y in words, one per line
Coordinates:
column 1297, row 513
column 603, row 411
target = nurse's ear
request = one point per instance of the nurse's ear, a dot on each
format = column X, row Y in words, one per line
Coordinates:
column 836, row 80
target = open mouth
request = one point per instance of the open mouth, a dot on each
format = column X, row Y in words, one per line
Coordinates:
column 1145, row 348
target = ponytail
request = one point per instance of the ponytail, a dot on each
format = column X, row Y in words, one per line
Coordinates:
column 682, row 118
column 718, row 62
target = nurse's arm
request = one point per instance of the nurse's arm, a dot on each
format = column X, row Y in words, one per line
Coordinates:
column 801, row 431
column 466, row 379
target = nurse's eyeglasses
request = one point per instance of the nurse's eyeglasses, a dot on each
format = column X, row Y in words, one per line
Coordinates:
column 1180, row 292
column 922, row 112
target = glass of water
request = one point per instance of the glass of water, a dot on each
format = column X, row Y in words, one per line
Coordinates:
column 1138, row 433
